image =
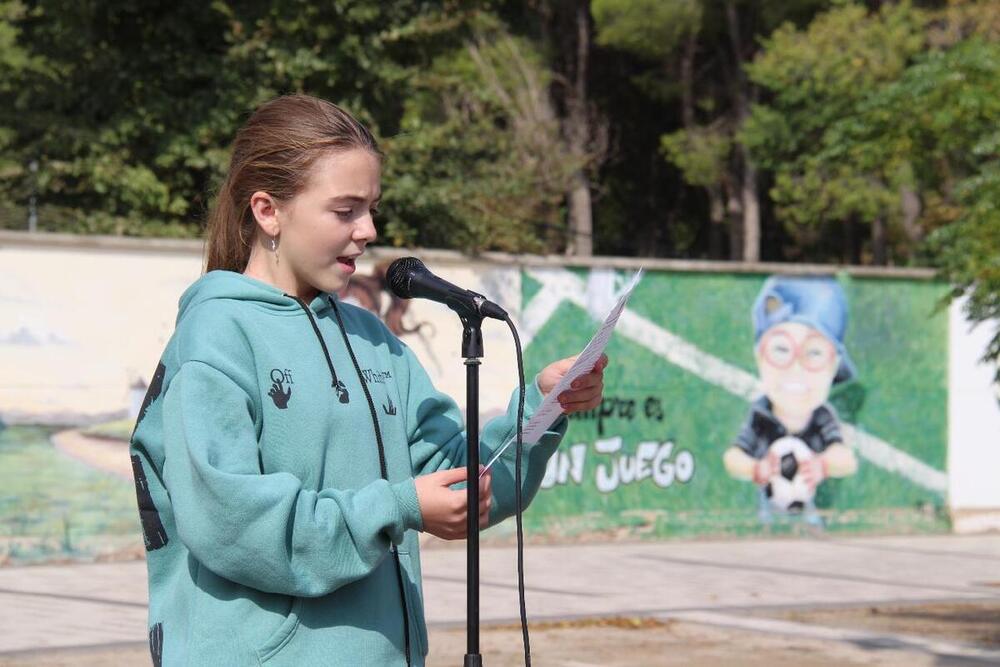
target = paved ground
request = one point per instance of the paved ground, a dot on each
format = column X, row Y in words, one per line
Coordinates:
column 752, row 587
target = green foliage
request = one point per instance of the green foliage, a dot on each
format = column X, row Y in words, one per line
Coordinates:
column 650, row 28
column 15, row 60
column 691, row 53
column 53, row 507
column 861, row 112
column 129, row 112
column 840, row 56
column 480, row 163
column 816, row 78
column 968, row 251
column 701, row 153
column 935, row 130
column 472, row 163
column 927, row 129
column 108, row 137
column 132, row 138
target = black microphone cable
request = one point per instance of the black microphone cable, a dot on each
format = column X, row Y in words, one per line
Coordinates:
column 407, row 277
column 517, row 493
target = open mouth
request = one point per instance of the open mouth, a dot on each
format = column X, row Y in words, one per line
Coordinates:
column 347, row 264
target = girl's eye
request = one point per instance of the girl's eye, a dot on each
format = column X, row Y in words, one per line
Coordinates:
column 344, row 214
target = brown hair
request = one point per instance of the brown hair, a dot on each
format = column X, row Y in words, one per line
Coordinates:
column 273, row 153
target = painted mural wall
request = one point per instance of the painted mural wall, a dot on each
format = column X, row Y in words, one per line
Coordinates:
column 82, row 328
column 736, row 403
column 747, row 403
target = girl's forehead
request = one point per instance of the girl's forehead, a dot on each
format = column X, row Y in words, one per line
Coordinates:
column 351, row 173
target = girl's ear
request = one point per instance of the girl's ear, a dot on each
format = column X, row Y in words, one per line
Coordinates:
column 265, row 212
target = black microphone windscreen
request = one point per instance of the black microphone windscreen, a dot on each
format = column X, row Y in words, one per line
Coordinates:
column 398, row 275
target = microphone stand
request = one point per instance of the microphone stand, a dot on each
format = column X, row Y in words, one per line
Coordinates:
column 472, row 351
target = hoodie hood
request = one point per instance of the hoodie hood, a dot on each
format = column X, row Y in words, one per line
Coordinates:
column 232, row 285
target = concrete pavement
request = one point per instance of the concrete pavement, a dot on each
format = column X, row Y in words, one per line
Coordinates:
column 710, row 582
column 660, row 577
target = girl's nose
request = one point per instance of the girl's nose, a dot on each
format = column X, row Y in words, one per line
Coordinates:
column 364, row 229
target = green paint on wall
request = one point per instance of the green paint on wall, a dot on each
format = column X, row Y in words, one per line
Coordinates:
column 54, row 506
column 895, row 336
column 529, row 288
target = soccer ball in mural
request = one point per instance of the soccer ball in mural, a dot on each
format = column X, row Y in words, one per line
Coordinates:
column 787, row 490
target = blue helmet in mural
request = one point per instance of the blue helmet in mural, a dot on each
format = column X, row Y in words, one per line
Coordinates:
column 817, row 302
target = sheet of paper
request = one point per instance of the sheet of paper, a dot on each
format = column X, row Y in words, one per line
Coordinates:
column 550, row 409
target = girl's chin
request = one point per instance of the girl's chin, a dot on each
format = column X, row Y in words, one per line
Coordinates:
column 331, row 282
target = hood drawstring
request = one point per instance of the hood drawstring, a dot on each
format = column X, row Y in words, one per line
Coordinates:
column 382, row 466
column 342, row 394
column 337, row 385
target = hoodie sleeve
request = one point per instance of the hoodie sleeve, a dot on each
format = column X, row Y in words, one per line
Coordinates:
column 265, row 530
column 438, row 441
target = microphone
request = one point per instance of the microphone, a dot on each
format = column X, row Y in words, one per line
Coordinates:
column 408, row 278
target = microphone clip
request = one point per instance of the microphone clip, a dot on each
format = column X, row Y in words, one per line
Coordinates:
column 472, row 336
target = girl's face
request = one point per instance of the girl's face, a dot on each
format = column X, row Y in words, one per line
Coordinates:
column 325, row 228
column 797, row 365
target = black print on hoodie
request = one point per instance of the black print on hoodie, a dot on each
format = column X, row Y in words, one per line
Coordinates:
column 156, row 644
column 155, row 387
column 279, row 393
column 153, row 532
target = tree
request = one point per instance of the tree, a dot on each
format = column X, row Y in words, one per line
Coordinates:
column 481, row 162
column 567, row 28
column 704, row 46
column 816, row 77
column 866, row 123
column 968, row 250
column 16, row 65
column 113, row 124
column 657, row 31
column 940, row 119
column 131, row 118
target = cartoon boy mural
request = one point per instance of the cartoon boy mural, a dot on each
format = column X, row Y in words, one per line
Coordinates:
column 792, row 434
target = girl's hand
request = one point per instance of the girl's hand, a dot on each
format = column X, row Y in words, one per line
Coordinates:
column 444, row 509
column 584, row 394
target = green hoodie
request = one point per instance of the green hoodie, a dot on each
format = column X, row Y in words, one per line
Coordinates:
column 272, row 534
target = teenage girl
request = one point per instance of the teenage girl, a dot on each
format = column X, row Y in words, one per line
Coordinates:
column 290, row 447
